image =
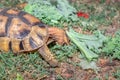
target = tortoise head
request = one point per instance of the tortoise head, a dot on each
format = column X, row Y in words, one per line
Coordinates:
column 58, row 35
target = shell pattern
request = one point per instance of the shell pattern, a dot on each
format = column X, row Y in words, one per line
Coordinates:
column 20, row 31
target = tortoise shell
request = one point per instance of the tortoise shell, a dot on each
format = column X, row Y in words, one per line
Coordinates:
column 20, row 31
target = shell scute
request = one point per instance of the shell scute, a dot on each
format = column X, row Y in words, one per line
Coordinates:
column 12, row 12
column 26, row 44
column 20, row 31
column 4, row 44
column 15, row 45
column 31, row 19
column 3, row 21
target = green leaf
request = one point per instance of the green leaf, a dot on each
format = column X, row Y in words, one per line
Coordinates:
column 66, row 9
column 86, row 43
column 51, row 12
column 89, row 65
column 28, row 8
column 19, row 77
column 112, row 47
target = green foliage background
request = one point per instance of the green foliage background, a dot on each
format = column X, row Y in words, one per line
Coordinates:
column 112, row 46
column 59, row 13
column 52, row 12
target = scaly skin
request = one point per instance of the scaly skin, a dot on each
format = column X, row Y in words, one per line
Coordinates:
column 58, row 35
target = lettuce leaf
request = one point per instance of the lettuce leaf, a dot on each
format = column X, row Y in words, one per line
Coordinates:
column 51, row 11
column 87, row 43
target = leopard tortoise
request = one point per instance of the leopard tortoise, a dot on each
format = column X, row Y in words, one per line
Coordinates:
column 21, row 32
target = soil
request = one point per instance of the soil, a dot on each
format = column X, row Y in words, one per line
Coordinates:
column 71, row 72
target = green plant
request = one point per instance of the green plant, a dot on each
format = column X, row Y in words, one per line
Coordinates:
column 100, row 14
column 11, row 65
column 88, row 44
column 112, row 47
column 51, row 12
column 19, row 77
column 96, row 78
column 11, row 3
column 117, row 74
column 1, row 5
column 59, row 77
column 63, row 52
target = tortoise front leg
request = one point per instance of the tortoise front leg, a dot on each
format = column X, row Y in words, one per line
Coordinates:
column 46, row 54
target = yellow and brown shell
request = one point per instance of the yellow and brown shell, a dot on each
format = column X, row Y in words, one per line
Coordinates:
column 20, row 31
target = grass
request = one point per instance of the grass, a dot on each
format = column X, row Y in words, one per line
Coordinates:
column 63, row 52
column 11, row 65
column 100, row 14
column 10, row 3
column 16, row 67
column 112, row 47
column 117, row 74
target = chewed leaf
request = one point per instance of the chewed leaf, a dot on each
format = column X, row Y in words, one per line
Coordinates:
column 86, row 43
column 88, row 65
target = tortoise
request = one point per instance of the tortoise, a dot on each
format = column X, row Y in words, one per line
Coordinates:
column 21, row 32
